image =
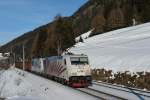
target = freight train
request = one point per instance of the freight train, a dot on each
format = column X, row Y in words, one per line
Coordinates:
column 72, row 70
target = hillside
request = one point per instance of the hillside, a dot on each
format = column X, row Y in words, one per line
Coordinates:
column 100, row 15
column 121, row 50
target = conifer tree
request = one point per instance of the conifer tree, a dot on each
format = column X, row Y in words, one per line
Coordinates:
column 80, row 39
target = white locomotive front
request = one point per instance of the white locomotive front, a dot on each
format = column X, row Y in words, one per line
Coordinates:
column 79, row 71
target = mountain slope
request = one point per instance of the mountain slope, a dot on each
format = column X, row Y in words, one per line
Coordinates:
column 125, row 49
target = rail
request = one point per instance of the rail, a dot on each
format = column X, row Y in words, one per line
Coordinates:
column 137, row 92
column 100, row 94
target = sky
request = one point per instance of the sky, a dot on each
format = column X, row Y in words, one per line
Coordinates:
column 20, row 16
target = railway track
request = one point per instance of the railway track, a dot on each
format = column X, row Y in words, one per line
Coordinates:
column 127, row 92
column 120, row 86
column 100, row 94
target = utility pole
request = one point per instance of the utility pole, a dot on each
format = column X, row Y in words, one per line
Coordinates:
column 23, row 57
column 11, row 56
column 14, row 59
column 59, row 48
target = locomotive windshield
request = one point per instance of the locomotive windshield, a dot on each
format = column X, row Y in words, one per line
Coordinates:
column 79, row 60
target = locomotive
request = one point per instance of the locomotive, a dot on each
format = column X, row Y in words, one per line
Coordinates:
column 72, row 70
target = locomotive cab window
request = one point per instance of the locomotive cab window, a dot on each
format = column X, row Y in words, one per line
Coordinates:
column 79, row 60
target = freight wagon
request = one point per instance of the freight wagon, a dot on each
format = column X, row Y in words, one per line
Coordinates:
column 4, row 62
column 19, row 64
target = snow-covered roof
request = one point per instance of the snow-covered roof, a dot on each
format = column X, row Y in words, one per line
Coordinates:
column 125, row 49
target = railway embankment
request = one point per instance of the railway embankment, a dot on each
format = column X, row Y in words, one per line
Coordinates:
column 139, row 80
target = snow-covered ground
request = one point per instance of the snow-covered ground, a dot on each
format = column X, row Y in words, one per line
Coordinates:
column 126, row 49
column 18, row 85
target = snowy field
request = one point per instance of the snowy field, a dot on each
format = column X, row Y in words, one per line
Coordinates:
column 18, row 85
column 121, row 50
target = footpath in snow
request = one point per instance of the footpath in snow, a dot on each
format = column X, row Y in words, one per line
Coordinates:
column 18, row 85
